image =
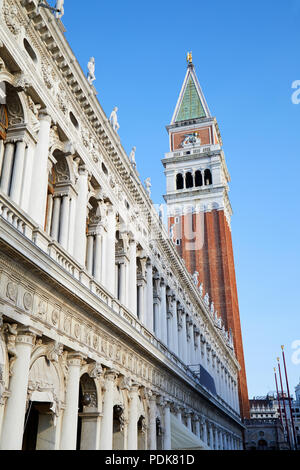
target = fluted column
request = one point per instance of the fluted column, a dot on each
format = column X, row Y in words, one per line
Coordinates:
column 38, row 197
column 167, row 425
column 149, row 312
column 152, row 422
column 132, row 436
column 13, row 424
column 70, row 416
column 106, row 434
column 156, row 325
column 174, row 326
column 81, row 215
column 132, row 292
column 17, row 174
column 190, row 341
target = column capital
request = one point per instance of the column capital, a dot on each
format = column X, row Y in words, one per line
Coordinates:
column 111, row 375
column 27, row 335
column 44, row 116
column 75, row 359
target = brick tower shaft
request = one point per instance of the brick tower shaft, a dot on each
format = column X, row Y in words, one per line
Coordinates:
column 199, row 210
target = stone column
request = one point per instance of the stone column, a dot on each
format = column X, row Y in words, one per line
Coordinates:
column 90, row 253
column 64, row 221
column 174, row 326
column 149, row 312
column 13, row 424
column 204, row 431
column 156, row 316
column 70, row 416
column 189, row 420
column 38, row 196
column 104, row 258
column 167, row 426
column 27, row 178
column 55, row 217
column 184, row 339
column 211, row 437
column 224, row 441
column 163, row 313
column 152, row 422
column 81, row 216
column 190, row 334
column 132, row 285
column 132, row 436
column 7, row 166
column 110, row 248
column 197, row 425
column 106, row 433
column 17, row 174
column 141, row 299
column 72, row 221
column 97, row 256
column 122, row 282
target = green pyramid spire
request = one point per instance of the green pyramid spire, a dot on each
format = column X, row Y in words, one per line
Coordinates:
column 191, row 106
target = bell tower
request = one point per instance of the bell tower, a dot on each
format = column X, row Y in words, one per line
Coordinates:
column 199, row 210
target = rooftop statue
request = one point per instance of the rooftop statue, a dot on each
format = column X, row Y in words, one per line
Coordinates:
column 114, row 120
column 132, row 156
column 91, row 70
column 59, row 6
column 148, row 185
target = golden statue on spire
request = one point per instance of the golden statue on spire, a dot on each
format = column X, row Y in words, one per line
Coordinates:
column 189, row 58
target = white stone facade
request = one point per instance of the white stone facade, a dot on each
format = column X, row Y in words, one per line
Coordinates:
column 97, row 309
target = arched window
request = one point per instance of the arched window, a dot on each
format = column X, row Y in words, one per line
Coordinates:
column 189, row 182
column 198, row 179
column 179, row 181
column 207, row 177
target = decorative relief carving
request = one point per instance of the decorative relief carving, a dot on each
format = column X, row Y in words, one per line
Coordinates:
column 42, row 307
column 27, row 301
column 77, row 330
column 67, row 324
column 10, row 12
column 55, row 350
column 95, row 370
column 55, row 316
column 12, row 291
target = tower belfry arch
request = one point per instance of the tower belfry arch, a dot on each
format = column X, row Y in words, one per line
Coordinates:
column 198, row 184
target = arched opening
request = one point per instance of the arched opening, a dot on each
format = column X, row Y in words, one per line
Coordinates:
column 207, row 178
column 39, row 429
column 12, row 150
column 41, row 414
column 88, row 415
column 198, row 178
column 141, row 433
column 262, row 445
column 118, row 428
column 179, row 181
column 189, row 182
column 159, row 441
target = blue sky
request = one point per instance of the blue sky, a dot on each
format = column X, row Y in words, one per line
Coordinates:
column 246, row 57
